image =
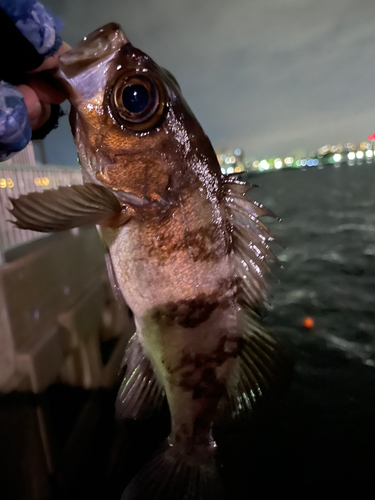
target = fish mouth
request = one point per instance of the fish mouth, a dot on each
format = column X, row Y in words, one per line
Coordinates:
column 93, row 49
column 82, row 69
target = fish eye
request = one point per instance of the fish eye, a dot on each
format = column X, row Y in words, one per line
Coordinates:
column 135, row 98
column 138, row 102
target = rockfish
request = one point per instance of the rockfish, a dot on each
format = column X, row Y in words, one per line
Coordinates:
column 188, row 253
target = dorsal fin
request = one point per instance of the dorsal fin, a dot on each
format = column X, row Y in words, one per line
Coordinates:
column 251, row 240
column 262, row 367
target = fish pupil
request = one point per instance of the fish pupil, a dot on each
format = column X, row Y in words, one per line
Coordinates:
column 135, row 98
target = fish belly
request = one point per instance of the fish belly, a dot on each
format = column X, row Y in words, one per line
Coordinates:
column 177, row 278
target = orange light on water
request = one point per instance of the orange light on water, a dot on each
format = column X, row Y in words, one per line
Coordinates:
column 308, row 323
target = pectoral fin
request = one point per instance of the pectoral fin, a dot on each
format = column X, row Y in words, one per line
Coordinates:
column 67, row 207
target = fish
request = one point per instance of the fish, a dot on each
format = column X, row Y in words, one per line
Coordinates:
column 187, row 251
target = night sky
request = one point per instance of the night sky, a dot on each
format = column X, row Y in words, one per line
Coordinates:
column 269, row 76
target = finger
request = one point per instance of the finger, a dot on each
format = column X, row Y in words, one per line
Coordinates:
column 38, row 112
column 43, row 117
column 52, row 62
column 47, row 88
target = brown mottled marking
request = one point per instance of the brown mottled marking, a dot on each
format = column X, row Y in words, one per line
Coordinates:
column 201, row 242
column 186, row 313
column 226, row 348
column 200, row 376
column 209, row 385
column 190, row 313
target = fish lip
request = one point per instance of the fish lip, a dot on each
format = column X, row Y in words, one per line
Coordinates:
column 91, row 50
column 94, row 51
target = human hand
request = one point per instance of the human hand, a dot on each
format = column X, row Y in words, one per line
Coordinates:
column 41, row 89
column 30, row 34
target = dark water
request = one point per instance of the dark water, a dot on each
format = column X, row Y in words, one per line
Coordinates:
column 323, row 433
column 321, row 436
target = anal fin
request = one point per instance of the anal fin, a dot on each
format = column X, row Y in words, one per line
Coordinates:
column 141, row 393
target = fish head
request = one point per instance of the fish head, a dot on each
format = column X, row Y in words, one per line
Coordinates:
column 133, row 130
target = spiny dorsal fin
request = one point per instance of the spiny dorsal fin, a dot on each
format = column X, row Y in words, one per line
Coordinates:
column 262, row 367
column 67, row 207
column 251, row 240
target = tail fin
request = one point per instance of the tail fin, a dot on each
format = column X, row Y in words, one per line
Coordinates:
column 172, row 476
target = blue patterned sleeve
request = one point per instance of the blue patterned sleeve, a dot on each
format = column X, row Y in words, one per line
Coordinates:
column 35, row 23
column 15, row 129
column 40, row 28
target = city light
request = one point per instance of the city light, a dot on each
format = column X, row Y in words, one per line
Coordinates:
column 264, row 165
column 235, row 161
column 278, row 163
column 41, row 181
column 336, row 157
column 6, row 183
